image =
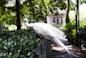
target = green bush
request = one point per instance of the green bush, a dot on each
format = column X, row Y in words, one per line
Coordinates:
column 83, row 36
column 71, row 28
column 17, row 44
column 71, row 31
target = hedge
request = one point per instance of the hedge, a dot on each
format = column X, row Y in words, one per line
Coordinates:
column 17, row 44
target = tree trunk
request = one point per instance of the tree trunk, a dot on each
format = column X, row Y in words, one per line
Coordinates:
column 77, row 15
column 18, row 23
column 77, row 25
column 67, row 14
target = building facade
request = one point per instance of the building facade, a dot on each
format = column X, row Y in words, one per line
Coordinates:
column 57, row 21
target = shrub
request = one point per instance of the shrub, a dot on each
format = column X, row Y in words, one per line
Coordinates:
column 71, row 31
column 15, row 44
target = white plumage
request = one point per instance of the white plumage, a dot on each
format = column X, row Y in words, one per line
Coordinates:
column 49, row 32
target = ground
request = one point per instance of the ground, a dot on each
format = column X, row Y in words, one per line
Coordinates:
column 54, row 51
column 58, row 52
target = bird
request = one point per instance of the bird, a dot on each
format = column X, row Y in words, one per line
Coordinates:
column 49, row 32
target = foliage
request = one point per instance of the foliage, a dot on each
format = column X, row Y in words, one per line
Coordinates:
column 7, row 17
column 83, row 36
column 39, row 9
column 2, row 3
column 71, row 26
column 70, row 29
column 17, row 44
column 72, row 5
column 36, row 10
column 82, row 1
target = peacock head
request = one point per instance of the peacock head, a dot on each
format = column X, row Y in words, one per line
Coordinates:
column 25, row 21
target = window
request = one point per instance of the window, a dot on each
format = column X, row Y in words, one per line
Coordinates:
column 61, row 21
column 57, row 21
column 53, row 20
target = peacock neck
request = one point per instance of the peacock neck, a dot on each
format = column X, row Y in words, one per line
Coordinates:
column 29, row 25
